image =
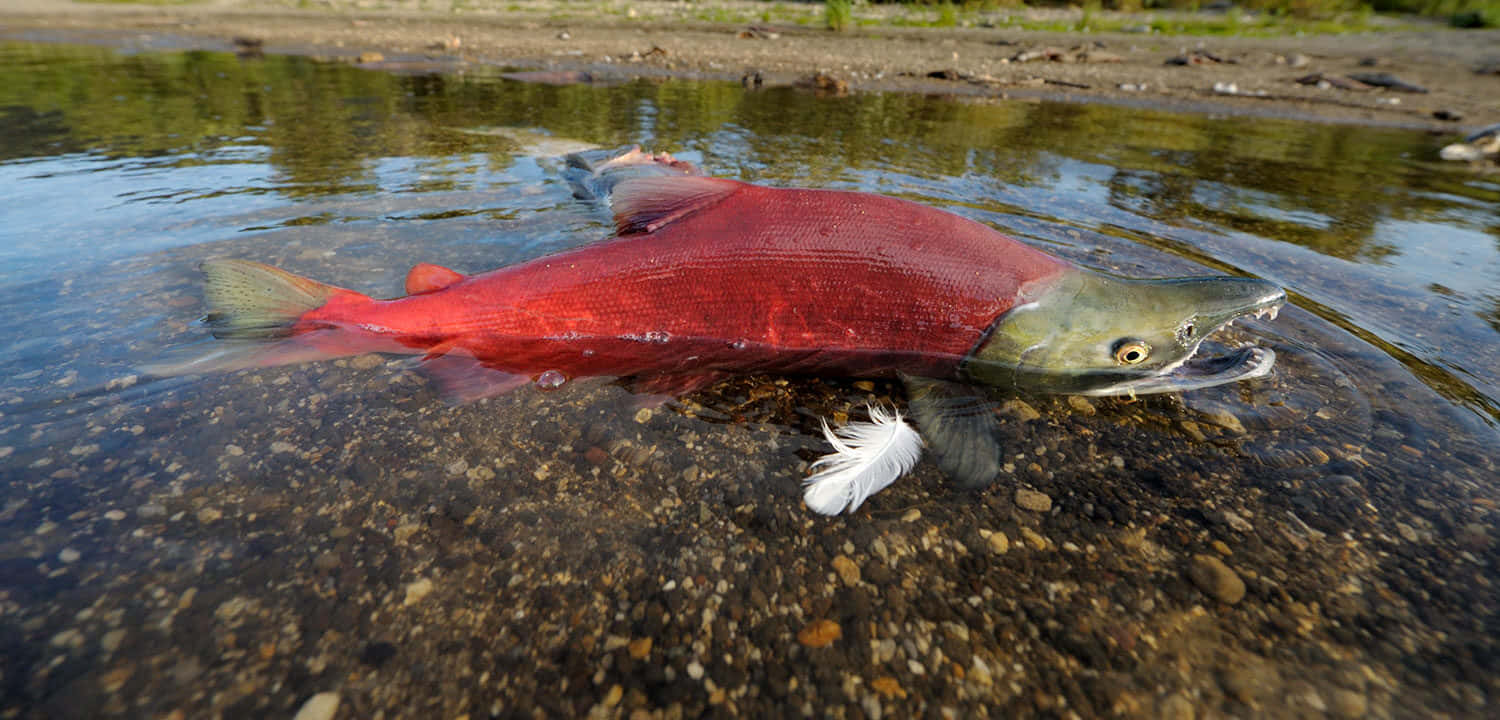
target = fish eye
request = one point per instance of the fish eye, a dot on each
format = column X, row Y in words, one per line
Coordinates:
column 1131, row 352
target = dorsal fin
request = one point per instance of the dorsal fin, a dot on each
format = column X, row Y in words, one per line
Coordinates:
column 426, row 277
column 646, row 204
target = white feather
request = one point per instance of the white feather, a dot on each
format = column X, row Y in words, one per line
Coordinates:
column 866, row 458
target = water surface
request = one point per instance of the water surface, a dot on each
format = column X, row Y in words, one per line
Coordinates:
column 300, row 505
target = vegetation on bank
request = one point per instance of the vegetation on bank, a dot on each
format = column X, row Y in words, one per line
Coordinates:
column 1191, row 16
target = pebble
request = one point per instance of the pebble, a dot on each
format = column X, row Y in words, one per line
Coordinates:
column 209, row 515
column 639, row 648
column 234, row 450
column 403, row 533
column 282, row 446
column 1081, row 404
column 1176, row 707
column 1033, row 539
column 695, row 670
column 416, row 591
column 614, row 696
column 1348, row 704
column 69, row 556
column 150, row 511
column 1020, row 410
column 67, row 638
column 1225, row 419
column 911, row 515
column 1033, row 500
column 111, row 640
column 1216, row 579
column 115, row 515
column 368, row 361
column 115, row 679
column 999, row 543
column 319, row 707
column 1191, row 428
column 847, row 569
column 820, row 633
column 888, row 687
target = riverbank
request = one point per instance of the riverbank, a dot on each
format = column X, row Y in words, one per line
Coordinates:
column 1410, row 74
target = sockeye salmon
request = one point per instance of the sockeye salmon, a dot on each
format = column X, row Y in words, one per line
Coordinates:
column 707, row 277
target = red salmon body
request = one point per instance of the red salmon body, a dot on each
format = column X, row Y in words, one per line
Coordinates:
column 716, row 275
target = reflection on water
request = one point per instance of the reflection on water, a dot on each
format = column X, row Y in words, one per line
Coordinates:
column 122, row 172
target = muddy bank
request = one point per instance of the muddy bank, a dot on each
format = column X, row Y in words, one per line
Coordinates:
column 1430, row 77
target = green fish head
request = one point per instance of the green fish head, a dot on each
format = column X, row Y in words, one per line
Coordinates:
column 1086, row 333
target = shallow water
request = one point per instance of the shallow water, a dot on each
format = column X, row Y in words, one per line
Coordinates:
column 124, row 171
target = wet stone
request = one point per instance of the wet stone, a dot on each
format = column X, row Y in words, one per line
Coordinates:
column 999, row 543
column 1033, row 500
column 322, row 706
column 416, row 591
column 1216, row 579
column 847, row 569
column 1348, row 704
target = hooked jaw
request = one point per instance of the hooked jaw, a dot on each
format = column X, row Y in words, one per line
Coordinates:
column 1095, row 334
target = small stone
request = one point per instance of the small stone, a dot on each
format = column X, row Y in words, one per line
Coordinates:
column 980, row 672
column 115, row 679
column 234, row 450
column 888, row 687
column 322, row 706
column 1225, row 419
column 1176, row 707
column 613, row 697
column 404, row 533
column 1192, row 429
column 643, row 415
column 115, row 515
column 368, row 361
column 111, row 640
column 1020, row 410
column 695, row 670
column 1033, row 500
column 1221, row 548
column 151, row 511
column 209, row 515
column 1407, row 532
column 1216, row 579
column 327, row 562
column 911, row 515
column 69, row 556
column 67, row 638
column 1033, row 539
column 1081, row 404
column 820, row 633
column 999, row 543
column 457, row 467
column 639, row 648
column 416, row 591
column 1348, row 704
column 847, row 570
column 369, row 56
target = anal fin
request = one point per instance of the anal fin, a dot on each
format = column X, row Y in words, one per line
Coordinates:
column 461, row 378
column 960, row 427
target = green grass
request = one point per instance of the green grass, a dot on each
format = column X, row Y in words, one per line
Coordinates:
column 838, row 15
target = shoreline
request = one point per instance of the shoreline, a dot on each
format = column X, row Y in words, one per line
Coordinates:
column 1254, row 76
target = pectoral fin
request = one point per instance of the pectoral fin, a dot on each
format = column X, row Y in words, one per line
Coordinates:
column 960, row 428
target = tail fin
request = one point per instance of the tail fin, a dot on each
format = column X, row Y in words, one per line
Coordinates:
column 250, row 301
column 256, row 309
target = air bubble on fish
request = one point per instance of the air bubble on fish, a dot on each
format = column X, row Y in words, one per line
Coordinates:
column 551, row 380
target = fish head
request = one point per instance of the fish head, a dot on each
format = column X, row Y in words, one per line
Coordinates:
column 1086, row 333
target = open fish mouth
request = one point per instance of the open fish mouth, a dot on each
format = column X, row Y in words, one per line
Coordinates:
column 1196, row 373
